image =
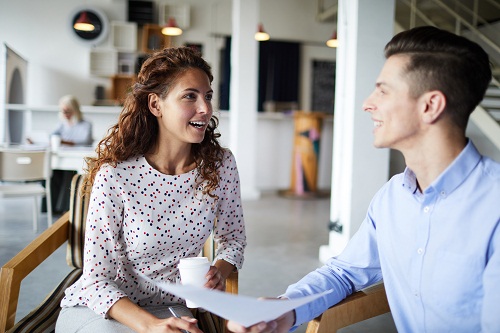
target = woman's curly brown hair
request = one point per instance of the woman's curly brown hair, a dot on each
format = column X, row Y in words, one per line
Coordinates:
column 136, row 131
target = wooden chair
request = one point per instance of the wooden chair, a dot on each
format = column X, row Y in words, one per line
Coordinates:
column 71, row 228
column 362, row 305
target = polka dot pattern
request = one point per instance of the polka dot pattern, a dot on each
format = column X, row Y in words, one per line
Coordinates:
column 141, row 222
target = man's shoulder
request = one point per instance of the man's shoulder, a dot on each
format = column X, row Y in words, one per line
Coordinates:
column 491, row 168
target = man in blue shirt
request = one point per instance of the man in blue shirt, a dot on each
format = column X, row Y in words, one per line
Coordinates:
column 431, row 233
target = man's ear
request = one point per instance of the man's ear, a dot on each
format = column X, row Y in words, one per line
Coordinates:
column 154, row 104
column 434, row 103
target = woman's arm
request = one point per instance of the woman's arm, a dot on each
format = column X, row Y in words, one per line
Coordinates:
column 138, row 319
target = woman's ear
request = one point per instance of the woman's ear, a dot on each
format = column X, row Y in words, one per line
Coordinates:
column 434, row 105
column 154, row 104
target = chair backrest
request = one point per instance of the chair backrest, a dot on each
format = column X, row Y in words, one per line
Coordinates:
column 24, row 165
column 78, row 208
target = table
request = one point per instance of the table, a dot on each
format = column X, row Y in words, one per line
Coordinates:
column 71, row 158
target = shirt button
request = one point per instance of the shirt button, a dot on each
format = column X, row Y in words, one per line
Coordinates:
column 426, row 209
column 420, row 251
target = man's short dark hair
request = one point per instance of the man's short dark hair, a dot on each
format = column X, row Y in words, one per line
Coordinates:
column 441, row 60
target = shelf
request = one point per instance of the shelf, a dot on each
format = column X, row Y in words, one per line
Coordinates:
column 124, row 36
column 103, row 62
column 120, row 86
column 152, row 39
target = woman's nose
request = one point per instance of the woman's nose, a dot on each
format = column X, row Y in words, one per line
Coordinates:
column 205, row 106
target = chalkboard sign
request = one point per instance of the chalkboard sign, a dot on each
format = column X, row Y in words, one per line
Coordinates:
column 323, row 86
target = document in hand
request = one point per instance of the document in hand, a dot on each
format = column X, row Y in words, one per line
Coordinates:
column 244, row 310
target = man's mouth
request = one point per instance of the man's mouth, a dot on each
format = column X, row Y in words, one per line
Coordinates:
column 377, row 123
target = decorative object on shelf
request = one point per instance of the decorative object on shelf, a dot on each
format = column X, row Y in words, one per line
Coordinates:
column 97, row 18
column 333, row 42
column 83, row 23
column 171, row 28
column 261, row 35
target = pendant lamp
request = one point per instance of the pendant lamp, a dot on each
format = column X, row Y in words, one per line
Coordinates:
column 333, row 42
column 261, row 35
column 83, row 23
column 171, row 28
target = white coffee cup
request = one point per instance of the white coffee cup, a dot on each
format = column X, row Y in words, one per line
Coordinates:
column 55, row 142
column 193, row 271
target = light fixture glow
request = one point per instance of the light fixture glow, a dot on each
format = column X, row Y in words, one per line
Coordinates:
column 171, row 28
column 333, row 42
column 83, row 23
column 261, row 35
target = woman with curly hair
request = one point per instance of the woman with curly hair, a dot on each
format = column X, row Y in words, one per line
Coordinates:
column 157, row 186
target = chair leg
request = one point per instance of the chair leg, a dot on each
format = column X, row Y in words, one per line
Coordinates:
column 49, row 210
column 35, row 214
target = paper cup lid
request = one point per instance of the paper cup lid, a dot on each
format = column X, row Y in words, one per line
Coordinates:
column 193, row 261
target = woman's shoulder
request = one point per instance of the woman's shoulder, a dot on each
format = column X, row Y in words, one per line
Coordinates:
column 228, row 156
column 133, row 163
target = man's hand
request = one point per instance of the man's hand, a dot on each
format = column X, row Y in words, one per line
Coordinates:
column 279, row 325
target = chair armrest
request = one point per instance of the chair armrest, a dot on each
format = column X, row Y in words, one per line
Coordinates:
column 362, row 305
column 16, row 269
column 232, row 283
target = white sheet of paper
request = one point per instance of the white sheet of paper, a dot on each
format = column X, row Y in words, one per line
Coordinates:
column 244, row 310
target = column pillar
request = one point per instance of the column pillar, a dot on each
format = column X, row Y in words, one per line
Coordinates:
column 359, row 169
column 243, row 94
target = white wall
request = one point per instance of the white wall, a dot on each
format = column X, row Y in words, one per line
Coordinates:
column 58, row 64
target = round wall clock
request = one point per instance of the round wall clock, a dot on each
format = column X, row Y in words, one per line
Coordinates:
column 97, row 18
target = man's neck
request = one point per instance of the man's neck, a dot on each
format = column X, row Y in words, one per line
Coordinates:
column 430, row 159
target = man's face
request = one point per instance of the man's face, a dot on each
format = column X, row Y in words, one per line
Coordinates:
column 394, row 112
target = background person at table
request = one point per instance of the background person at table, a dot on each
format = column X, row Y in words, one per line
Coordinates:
column 432, row 233
column 159, row 183
column 74, row 131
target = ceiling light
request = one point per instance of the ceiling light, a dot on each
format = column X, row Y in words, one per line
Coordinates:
column 261, row 35
column 83, row 23
column 333, row 42
column 171, row 28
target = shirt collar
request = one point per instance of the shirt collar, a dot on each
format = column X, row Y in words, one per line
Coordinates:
column 452, row 176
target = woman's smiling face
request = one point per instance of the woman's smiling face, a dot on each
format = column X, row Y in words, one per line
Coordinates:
column 187, row 108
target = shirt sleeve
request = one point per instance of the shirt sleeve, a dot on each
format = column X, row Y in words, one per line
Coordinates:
column 490, row 320
column 355, row 268
column 58, row 130
column 83, row 133
column 102, row 244
column 229, row 232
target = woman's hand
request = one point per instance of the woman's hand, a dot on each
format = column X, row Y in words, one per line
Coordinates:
column 172, row 324
column 280, row 325
column 215, row 280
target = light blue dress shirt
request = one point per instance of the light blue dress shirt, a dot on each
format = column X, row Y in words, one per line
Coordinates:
column 438, row 252
column 79, row 133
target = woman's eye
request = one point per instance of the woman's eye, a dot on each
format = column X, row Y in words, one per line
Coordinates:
column 190, row 96
column 209, row 97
